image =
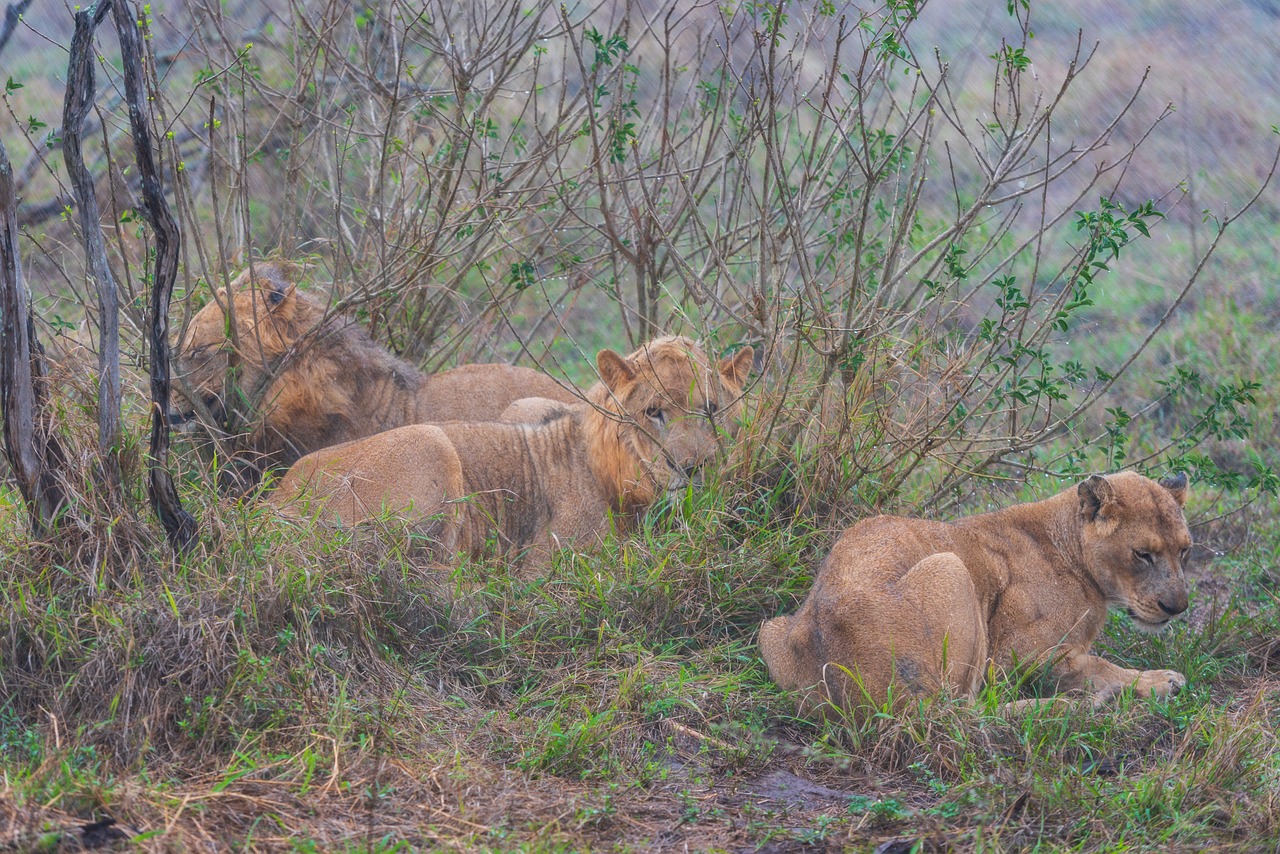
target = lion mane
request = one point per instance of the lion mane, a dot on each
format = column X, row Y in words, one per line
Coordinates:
column 309, row 379
column 651, row 424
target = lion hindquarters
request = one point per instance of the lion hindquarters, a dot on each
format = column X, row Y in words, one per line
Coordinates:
column 944, row 633
column 412, row 472
column 535, row 410
column 787, row 647
column 819, row 653
column 863, row 641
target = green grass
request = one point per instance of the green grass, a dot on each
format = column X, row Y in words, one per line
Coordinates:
column 288, row 680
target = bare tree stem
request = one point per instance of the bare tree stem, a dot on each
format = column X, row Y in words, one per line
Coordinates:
column 79, row 100
column 33, row 451
column 179, row 525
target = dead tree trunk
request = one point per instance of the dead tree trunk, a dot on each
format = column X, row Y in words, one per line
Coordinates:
column 33, row 452
column 179, row 525
column 79, row 100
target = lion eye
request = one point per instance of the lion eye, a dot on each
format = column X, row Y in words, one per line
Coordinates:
column 1184, row 555
column 1145, row 557
column 656, row 413
column 712, row 408
column 205, row 351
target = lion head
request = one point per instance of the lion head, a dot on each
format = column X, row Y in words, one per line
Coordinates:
column 1136, row 542
column 269, row 318
column 669, row 406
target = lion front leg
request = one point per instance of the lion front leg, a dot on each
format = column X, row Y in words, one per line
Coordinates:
column 1103, row 680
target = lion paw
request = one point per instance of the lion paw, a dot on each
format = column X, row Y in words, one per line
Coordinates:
column 1159, row 683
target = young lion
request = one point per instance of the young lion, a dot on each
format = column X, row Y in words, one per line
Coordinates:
column 322, row 379
column 924, row 605
column 648, row 426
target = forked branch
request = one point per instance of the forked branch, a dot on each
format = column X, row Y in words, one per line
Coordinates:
column 79, row 100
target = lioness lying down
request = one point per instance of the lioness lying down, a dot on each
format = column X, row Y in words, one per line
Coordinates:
column 924, row 605
column 648, row 426
column 322, row 379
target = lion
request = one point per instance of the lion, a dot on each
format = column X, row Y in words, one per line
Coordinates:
column 907, row 606
column 649, row 426
column 321, row 379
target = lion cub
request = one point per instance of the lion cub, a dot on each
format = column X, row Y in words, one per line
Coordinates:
column 651, row 423
column 922, row 605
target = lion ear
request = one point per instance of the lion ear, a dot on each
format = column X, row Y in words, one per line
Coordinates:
column 278, row 292
column 1177, row 486
column 614, row 370
column 736, row 368
column 1094, row 494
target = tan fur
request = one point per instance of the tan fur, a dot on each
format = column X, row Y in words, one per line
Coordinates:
column 923, row 605
column 323, row 380
column 652, row 422
column 533, row 410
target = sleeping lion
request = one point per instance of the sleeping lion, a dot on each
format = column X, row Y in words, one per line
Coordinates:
column 920, row 605
column 651, row 424
column 320, row 379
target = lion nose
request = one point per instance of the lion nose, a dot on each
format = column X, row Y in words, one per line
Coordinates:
column 1179, row 605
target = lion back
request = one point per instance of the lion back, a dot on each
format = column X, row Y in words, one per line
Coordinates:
column 483, row 392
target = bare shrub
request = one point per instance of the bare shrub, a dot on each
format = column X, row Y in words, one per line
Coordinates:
column 487, row 181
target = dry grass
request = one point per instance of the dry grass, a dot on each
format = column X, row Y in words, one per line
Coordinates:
column 308, row 690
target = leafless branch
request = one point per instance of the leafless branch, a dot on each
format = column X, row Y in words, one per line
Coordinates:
column 79, row 100
column 179, row 525
column 33, row 451
column 12, row 15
